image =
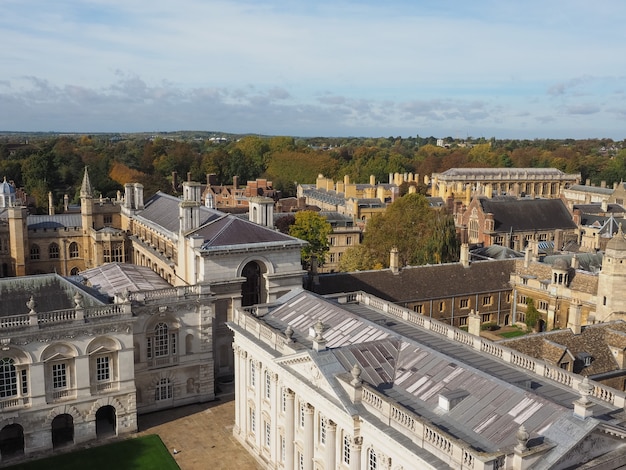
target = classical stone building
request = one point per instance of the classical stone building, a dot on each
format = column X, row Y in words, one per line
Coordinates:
column 466, row 183
column 354, row 382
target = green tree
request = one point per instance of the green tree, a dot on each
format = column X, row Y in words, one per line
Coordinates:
column 532, row 316
column 421, row 234
column 315, row 229
column 358, row 258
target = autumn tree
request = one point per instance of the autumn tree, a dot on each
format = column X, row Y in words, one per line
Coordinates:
column 315, row 229
column 421, row 234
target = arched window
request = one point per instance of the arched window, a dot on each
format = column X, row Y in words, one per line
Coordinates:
column 73, row 250
column 8, row 378
column 372, row 462
column 34, row 252
column 53, row 251
column 74, row 272
column 161, row 344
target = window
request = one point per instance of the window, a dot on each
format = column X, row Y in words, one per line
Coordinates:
column 34, row 252
column 8, row 378
column 161, row 343
column 108, row 219
column 300, row 461
column 283, row 448
column 462, row 321
column 442, row 306
column 323, row 422
column 486, row 317
column 53, row 251
column 372, row 462
column 464, row 303
column 252, row 374
column 59, row 375
column 302, row 409
column 331, row 257
column 348, row 240
column 163, row 390
column 268, row 384
column 346, row 450
column 283, row 401
column 73, row 250
column 117, row 253
column 542, row 305
column 268, row 434
column 252, row 421
column 103, row 370
column 564, row 365
column 418, row 308
column 486, row 300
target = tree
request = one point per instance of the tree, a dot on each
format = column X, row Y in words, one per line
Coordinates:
column 421, row 234
column 532, row 316
column 284, row 223
column 315, row 229
column 358, row 258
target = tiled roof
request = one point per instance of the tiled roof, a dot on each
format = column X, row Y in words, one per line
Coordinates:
column 579, row 282
column 422, row 282
column 591, row 189
column 515, row 173
column 511, row 214
column 163, row 210
column 593, row 340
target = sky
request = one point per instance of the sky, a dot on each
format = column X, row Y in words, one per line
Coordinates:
column 458, row 68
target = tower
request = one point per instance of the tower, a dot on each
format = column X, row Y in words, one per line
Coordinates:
column 611, row 296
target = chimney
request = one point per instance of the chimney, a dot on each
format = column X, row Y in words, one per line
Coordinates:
column 372, row 180
column 66, row 203
column 465, row 256
column 605, row 205
column 574, row 317
column 235, row 182
column 603, row 184
column 473, row 323
column 174, row 180
column 588, row 182
column 394, row 261
column 50, row 204
column 189, row 176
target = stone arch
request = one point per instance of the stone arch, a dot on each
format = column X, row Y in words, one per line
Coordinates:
column 103, row 342
column 62, row 428
column 101, row 402
column 19, row 356
column 106, row 421
column 63, row 409
column 254, row 289
column 74, row 271
column 11, row 441
column 59, row 349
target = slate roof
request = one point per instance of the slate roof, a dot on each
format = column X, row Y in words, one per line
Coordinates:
column 511, row 214
column 591, row 189
column 512, row 173
column 597, row 208
column 163, row 210
column 112, row 278
column 422, row 282
column 54, row 221
column 593, row 340
column 50, row 292
column 543, row 271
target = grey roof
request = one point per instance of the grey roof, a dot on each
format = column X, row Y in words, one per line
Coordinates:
column 412, row 366
column 54, row 221
column 163, row 210
column 512, row 173
column 511, row 214
column 422, row 282
column 328, row 197
column 597, row 208
column 230, row 230
column 591, row 189
column 495, row 252
column 50, row 292
column 112, row 278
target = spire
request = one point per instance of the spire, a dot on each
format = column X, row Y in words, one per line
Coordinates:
column 85, row 189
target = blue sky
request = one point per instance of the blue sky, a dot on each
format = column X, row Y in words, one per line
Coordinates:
column 531, row 69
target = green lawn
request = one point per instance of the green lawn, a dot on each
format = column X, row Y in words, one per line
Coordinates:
column 512, row 334
column 147, row 452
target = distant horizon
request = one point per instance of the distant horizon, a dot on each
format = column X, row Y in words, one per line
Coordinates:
column 524, row 71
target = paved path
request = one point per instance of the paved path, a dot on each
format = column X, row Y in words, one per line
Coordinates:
column 203, row 435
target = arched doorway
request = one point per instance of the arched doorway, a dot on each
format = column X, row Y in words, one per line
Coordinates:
column 506, row 319
column 251, row 289
column 106, row 422
column 11, row 441
column 62, row 430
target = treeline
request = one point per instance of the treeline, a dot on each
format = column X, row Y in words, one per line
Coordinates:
column 56, row 163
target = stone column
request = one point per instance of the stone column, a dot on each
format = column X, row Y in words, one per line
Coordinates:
column 331, row 444
column 274, row 405
column 289, row 430
column 308, row 437
column 243, row 385
column 355, row 453
column 239, row 378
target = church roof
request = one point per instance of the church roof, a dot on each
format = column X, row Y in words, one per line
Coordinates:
column 511, row 214
column 86, row 189
column 422, row 282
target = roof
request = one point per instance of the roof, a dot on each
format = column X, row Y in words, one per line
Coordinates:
column 511, row 214
column 113, row 278
column 422, row 282
column 163, row 210
column 412, row 366
column 49, row 291
column 54, row 221
column 591, row 189
column 506, row 173
column 593, row 340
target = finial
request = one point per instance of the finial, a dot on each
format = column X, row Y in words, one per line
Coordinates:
column 522, row 439
column 356, row 375
column 289, row 333
column 585, row 389
column 31, row 304
column 319, row 329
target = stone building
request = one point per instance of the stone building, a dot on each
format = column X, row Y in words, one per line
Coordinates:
column 66, row 366
column 462, row 184
column 355, row 382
